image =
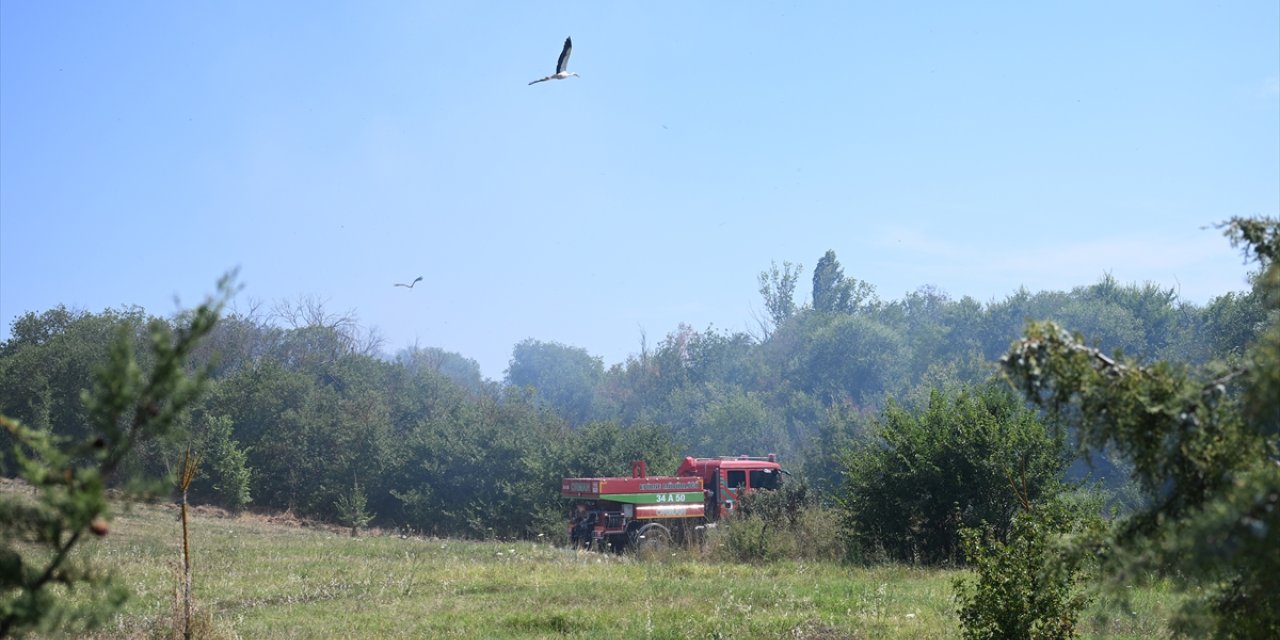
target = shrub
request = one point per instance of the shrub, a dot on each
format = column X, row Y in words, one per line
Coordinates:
column 1026, row 586
column 352, row 509
column 227, row 466
column 784, row 524
column 926, row 475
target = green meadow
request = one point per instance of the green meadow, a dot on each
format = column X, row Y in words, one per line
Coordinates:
column 259, row 577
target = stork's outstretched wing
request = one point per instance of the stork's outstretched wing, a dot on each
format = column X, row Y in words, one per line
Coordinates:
column 410, row 285
column 563, row 63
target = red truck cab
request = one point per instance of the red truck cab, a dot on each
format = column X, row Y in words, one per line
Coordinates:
column 725, row 479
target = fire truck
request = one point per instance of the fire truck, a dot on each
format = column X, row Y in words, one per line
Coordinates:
column 646, row 511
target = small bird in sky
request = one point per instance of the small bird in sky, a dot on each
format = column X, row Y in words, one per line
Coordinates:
column 410, row 285
column 561, row 73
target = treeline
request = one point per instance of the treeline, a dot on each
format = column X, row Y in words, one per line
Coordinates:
column 304, row 411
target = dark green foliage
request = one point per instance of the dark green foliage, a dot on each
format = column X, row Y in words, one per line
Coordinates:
column 130, row 404
column 1230, row 321
column 1169, row 425
column 962, row 460
column 1028, row 585
column 227, row 478
column 302, row 431
column 1136, row 320
column 1203, row 445
column 833, row 292
column 842, row 426
column 716, row 419
column 262, row 404
column 606, row 449
column 716, row 357
column 564, row 377
column 463, row 371
column 484, row 469
column 50, row 360
column 851, row 357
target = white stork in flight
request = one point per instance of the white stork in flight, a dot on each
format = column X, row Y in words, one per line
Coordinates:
column 410, row 285
column 561, row 73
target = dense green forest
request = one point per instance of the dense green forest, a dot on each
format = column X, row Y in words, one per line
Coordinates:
column 304, row 409
column 921, row 430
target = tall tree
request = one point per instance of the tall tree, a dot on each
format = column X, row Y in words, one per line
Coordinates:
column 564, row 377
column 778, row 287
column 1204, row 445
column 833, row 292
column 829, row 293
column 462, row 370
column 851, row 357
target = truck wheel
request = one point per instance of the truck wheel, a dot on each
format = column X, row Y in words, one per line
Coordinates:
column 580, row 538
column 617, row 542
column 651, row 537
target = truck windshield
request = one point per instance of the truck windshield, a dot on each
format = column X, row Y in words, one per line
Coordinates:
column 764, row 479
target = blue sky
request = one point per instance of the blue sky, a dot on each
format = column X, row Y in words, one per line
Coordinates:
column 333, row 149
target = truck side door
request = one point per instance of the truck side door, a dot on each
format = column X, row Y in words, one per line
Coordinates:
column 734, row 481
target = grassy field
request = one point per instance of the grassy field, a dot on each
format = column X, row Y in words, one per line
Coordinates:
column 257, row 578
